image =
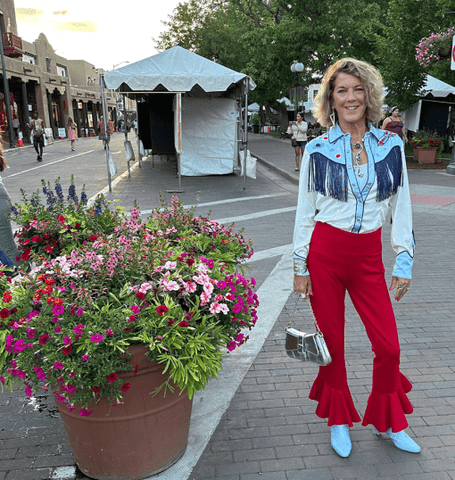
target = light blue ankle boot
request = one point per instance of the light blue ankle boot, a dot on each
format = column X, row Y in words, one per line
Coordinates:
column 341, row 442
column 402, row 441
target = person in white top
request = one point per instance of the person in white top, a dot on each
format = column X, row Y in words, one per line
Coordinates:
column 349, row 179
column 299, row 130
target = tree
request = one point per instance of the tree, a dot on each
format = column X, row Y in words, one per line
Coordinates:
column 406, row 22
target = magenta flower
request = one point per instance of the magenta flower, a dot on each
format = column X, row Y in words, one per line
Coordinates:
column 109, row 332
column 79, row 329
column 59, row 365
column 19, row 346
column 79, row 312
column 135, row 309
column 58, row 309
column 67, row 340
column 97, row 338
column 85, row 357
column 231, row 346
column 58, row 329
column 28, row 391
column 84, row 412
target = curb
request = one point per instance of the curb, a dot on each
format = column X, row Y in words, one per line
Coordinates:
column 273, row 167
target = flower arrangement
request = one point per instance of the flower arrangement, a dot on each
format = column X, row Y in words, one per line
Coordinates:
column 57, row 226
column 426, row 140
column 174, row 283
column 436, row 48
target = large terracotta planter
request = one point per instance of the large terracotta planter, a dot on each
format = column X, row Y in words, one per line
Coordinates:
column 142, row 437
column 425, row 155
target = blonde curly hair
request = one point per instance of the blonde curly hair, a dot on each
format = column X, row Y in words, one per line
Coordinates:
column 372, row 81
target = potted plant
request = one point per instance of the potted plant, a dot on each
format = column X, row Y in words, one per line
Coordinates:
column 255, row 122
column 127, row 323
column 426, row 146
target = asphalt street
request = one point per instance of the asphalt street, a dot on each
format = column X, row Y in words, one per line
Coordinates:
column 256, row 422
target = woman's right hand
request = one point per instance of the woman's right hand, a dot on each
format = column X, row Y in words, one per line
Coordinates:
column 302, row 284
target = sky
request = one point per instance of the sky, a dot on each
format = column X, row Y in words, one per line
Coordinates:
column 102, row 33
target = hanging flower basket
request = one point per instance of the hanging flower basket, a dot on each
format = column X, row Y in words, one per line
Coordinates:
column 435, row 49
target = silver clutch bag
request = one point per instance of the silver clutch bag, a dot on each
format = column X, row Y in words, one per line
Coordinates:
column 308, row 347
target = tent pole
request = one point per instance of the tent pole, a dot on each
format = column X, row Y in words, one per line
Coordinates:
column 245, row 133
column 137, row 136
column 103, row 101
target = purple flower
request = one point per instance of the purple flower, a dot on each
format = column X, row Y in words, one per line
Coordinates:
column 96, row 338
column 58, row 309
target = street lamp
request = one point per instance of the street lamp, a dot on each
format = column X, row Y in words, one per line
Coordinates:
column 296, row 69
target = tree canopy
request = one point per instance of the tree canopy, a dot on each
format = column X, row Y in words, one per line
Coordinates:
column 263, row 37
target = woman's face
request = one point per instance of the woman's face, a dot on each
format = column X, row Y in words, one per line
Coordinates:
column 349, row 100
column 395, row 112
column 299, row 118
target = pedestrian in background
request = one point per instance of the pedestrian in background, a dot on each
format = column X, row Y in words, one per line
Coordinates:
column 350, row 178
column 9, row 254
column 394, row 123
column 71, row 126
column 16, row 127
column 103, row 132
column 37, row 128
column 299, row 134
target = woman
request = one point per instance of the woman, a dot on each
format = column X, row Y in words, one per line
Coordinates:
column 393, row 123
column 299, row 129
column 71, row 132
column 349, row 179
column 103, row 135
column 7, row 244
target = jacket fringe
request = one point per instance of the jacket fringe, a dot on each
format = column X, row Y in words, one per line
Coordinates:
column 328, row 177
column 389, row 174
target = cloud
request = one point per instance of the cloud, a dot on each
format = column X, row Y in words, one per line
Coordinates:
column 29, row 15
column 63, row 13
column 86, row 27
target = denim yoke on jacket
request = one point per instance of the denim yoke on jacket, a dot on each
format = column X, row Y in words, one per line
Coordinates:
column 329, row 193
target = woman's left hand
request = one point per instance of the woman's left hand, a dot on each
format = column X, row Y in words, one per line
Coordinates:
column 403, row 285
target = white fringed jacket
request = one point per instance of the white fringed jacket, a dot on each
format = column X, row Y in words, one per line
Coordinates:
column 329, row 192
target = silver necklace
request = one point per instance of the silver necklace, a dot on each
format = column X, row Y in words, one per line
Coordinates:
column 357, row 166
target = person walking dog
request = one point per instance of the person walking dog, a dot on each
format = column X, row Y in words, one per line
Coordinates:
column 350, row 178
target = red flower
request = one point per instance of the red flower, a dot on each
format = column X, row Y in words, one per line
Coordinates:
column 7, row 297
column 92, row 238
column 61, row 219
column 96, row 389
column 43, row 339
column 135, row 369
column 140, row 296
column 112, row 377
column 125, row 387
column 190, row 262
column 4, row 313
column 184, row 324
column 50, row 281
column 161, row 310
column 170, row 323
column 48, row 249
column 67, row 350
column 132, row 318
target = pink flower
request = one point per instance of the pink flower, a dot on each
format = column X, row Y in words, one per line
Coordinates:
column 231, row 346
column 28, row 391
column 59, row 365
column 190, row 287
column 67, row 340
column 79, row 329
column 70, row 407
column 85, row 357
column 109, row 332
column 70, row 388
column 58, row 309
column 79, row 312
column 58, row 329
column 96, row 338
column 19, row 346
column 170, row 285
column 84, row 412
column 135, row 309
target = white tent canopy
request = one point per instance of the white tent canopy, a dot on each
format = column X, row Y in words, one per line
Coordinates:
column 209, row 112
column 177, row 70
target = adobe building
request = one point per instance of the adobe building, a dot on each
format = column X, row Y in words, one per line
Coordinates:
column 41, row 80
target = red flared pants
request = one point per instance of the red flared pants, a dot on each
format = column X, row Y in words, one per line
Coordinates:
column 340, row 261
